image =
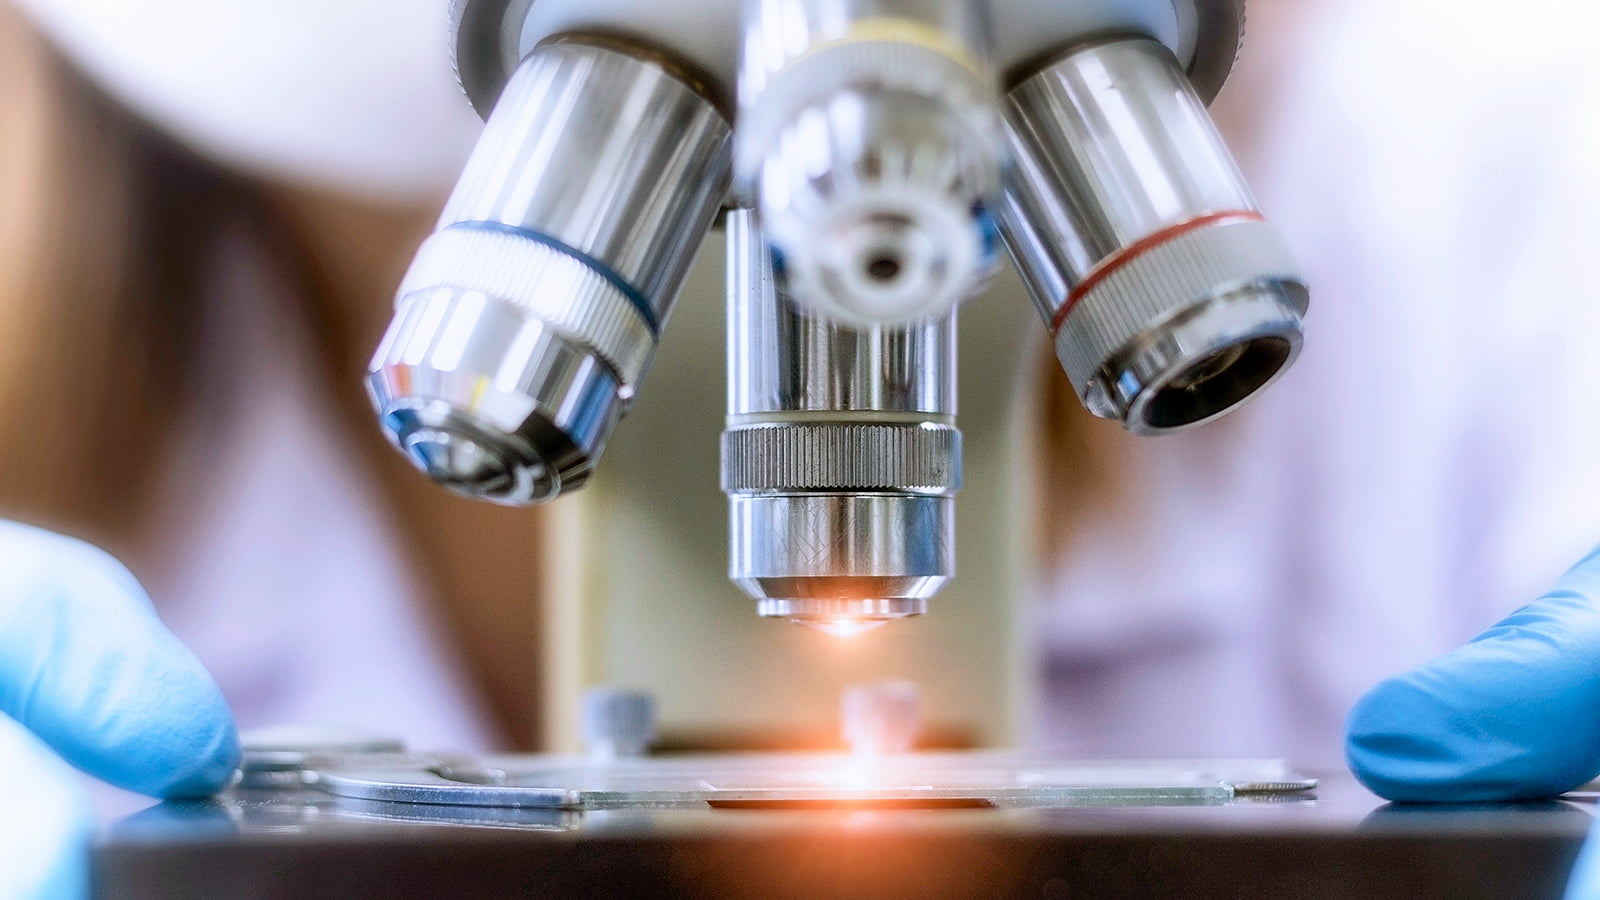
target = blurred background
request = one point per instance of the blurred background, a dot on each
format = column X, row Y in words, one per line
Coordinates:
column 205, row 210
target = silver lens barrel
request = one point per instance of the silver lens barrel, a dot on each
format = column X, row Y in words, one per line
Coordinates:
column 1171, row 299
column 841, row 459
column 529, row 317
column 870, row 142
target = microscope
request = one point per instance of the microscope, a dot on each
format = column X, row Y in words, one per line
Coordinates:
column 867, row 159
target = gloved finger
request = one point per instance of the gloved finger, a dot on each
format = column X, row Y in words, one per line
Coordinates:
column 44, row 835
column 1514, row 714
column 87, row 666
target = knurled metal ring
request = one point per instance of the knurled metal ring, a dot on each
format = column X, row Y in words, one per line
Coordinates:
column 1162, row 280
column 522, row 271
column 911, row 458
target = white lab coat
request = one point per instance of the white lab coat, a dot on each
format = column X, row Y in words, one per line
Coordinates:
column 1433, row 460
column 277, row 566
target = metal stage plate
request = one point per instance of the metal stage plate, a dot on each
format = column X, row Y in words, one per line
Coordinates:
column 978, row 825
column 819, row 781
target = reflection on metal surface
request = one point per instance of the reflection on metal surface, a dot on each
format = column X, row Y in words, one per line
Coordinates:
column 1170, row 298
column 1345, row 842
column 377, row 776
column 529, row 318
column 989, row 779
column 870, row 141
column 841, row 459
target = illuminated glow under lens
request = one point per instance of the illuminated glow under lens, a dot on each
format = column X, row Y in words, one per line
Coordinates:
column 842, row 627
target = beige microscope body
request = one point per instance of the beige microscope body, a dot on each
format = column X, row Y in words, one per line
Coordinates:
column 867, row 161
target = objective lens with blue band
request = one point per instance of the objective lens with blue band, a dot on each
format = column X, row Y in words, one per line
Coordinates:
column 528, row 319
column 634, row 295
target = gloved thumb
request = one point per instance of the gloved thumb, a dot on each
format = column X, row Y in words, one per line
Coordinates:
column 87, row 666
column 1514, row 714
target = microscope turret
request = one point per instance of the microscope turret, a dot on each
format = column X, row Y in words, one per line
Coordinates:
column 875, row 155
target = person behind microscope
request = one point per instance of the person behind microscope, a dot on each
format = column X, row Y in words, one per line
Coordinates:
column 203, row 210
column 1429, row 460
column 89, row 674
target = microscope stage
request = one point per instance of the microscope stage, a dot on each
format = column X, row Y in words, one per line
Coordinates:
column 957, row 826
column 950, row 780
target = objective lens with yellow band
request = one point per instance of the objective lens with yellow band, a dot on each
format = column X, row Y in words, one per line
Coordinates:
column 870, row 144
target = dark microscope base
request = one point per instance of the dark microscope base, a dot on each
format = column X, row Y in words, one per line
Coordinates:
column 1344, row 843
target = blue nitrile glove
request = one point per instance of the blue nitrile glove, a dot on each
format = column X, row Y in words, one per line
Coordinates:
column 1514, row 714
column 88, row 671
